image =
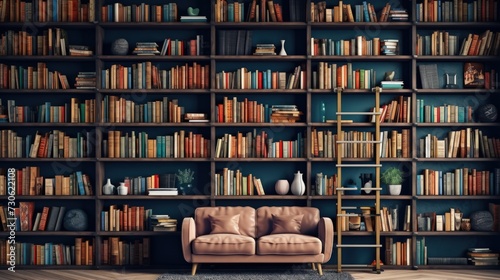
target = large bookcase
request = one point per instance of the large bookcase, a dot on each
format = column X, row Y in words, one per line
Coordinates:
column 306, row 95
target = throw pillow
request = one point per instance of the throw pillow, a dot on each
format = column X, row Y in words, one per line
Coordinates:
column 287, row 224
column 225, row 224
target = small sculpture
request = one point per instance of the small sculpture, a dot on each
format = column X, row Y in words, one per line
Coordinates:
column 193, row 11
column 389, row 76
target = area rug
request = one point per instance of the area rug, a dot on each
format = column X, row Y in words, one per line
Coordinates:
column 302, row 274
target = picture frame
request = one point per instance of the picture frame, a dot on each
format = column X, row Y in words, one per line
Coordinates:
column 473, row 75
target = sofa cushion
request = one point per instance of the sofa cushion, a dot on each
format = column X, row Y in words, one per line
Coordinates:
column 286, row 224
column 288, row 244
column 225, row 224
column 224, row 244
column 246, row 223
column 264, row 218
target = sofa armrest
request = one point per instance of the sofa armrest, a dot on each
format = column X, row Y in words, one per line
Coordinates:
column 188, row 234
column 326, row 234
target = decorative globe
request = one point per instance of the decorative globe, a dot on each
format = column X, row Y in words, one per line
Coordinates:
column 487, row 113
column 481, row 221
column 119, row 47
column 75, row 220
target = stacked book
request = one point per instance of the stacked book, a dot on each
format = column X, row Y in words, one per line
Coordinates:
column 80, row 50
column 163, row 223
column 146, row 48
column 398, row 15
column 482, row 256
column 195, row 117
column 265, row 49
column 392, row 84
column 389, row 47
column 285, row 113
column 193, row 19
column 163, row 191
column 85, row 80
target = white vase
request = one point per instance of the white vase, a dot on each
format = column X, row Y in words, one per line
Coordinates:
column 282, row 187
column 108, row 188
column 298, row 185
column 122, row 189
column 283, row 52
column 394, row 189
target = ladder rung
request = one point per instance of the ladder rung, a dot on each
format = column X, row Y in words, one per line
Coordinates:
column 358, row 113
column 359, row 246
column 371, row 189
column 348, row 215
column 346, row 189
column 355, row 265
column 375, row 89
column 358, row 165
column 359, row 141
column 348, row 207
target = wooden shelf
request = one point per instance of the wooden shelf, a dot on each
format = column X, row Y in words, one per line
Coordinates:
column 50, row 233
column 50, row 197
column 457, row 233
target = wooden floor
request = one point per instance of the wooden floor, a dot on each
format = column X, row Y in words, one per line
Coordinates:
column 153, row 275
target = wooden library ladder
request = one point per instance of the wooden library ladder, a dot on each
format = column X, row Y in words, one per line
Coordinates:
column 341, row 215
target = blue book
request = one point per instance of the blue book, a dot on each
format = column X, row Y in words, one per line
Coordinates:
column 55, row 6
column 365, row 12
column 269, row 78
column 419, row 189
column 79, row 181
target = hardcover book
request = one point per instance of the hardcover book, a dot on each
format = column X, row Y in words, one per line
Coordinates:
column 473, row 75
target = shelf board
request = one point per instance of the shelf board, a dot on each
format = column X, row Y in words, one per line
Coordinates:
column 136, row 233
column 42, row 92
column 455, row 266
column 465, row 25
column 365, row 197
column 156, row 25
column 50, row 233
column 55, row 267
column 264, row 124
column 155, row 91
column 166, row 124
column 456, row 58
column 274, row 58
column 260, row 25
column 370, row 233
column 154, row 58
column 458, row 124
column 457, row 233
column 458, row 158
column 50, row 197
column 361, row 124
column 49, row 58
column 374, row 58
column 50, row 159
column 455, row 197
column 37, row 25
column 362, row 26
column 261, row 159
column 36, row 124
column 362, row 91
column 258, row 91
column 103, row 159
column 154, row 197
column 460, row 91
column 258, row 197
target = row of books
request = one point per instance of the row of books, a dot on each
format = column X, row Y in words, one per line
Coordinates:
column 463, row 143
column 126, row 218
column 233, row 182
column 487, row 43
column 389, row 219
column 145, row 75
column 117, row 109
column 460, row 181
column 141, row 12
column 258, row 11
column 445, row 113
column 331, row 75
column 395, row 111
column 73, row 112
column 53, row 41
column 234, row 42
column 257, row 145
column 47, row 11
column 142, row 184
column 449, row 221
column 233, row 111
column 243, row 78
column 81, row 253
column 115, row 251
column 176, row 47
column 163, row 223
column 355, row 46
column 398, row 252
column 181, row 144
column 325, row 185
column 39, row 77
column 457, row 11
column 26, row 219
column 53, row 144
column 29, row 182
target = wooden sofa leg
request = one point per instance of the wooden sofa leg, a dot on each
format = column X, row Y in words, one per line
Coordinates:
column 193, row 269
column 313, row 266
column 320, row 270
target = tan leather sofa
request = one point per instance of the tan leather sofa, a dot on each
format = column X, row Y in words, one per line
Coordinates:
column 287, row 234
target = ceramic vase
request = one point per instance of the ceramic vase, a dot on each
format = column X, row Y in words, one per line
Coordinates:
column 394, row 189
column 283, row 52
column 108, row 188
column 298, row 185
column 122, row 189
column 282, row 187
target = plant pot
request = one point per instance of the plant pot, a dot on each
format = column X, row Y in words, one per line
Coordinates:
column 394, row 189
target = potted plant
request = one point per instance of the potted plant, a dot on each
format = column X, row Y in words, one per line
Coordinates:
column 185, row 178
column 393, row 177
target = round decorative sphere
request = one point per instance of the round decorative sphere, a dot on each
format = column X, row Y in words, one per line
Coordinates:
column 481, row 221
column 487, row 113
column 282, row 187
column 119, row 47
column 75, row 220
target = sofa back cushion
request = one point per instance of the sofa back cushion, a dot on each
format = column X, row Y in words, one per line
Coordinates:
column 246, row 222
column 309, row 224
